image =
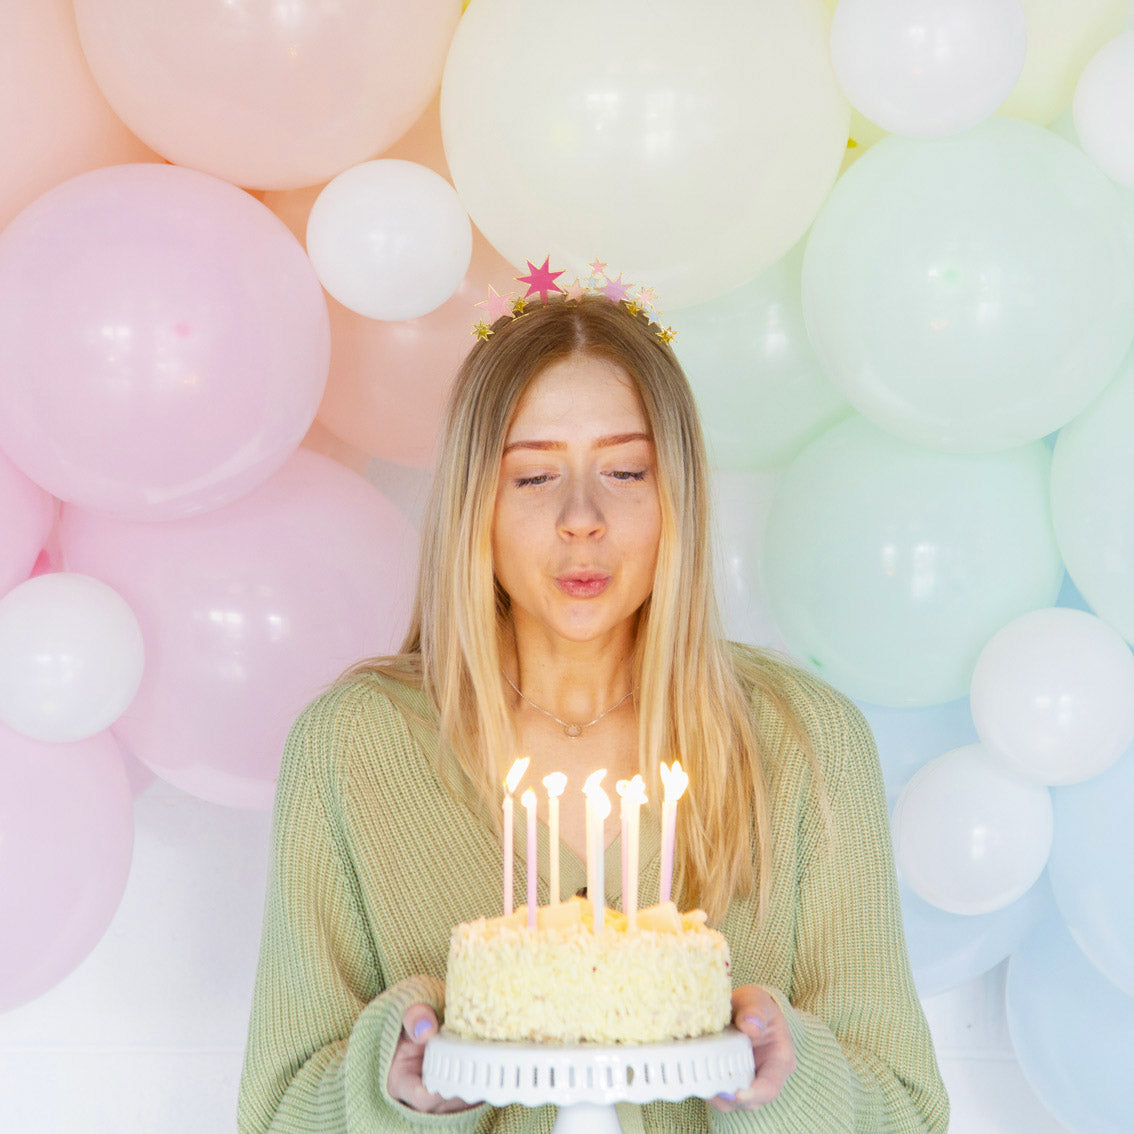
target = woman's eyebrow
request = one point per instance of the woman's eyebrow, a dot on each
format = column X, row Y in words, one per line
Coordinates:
column 600, row 442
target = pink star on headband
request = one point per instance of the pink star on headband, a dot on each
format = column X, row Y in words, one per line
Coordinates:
column 576, row 290
column 541, row 280
column 616, row 290
column 496, row 305
column 598, row 269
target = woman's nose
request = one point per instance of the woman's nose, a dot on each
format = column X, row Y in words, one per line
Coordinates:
column 581, row 514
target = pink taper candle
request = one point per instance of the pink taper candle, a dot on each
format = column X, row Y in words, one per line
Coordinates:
column 511, row 782
column 674, row 781
column 528, row 799
column 633, row 794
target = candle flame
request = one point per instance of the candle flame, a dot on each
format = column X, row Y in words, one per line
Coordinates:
column 632, row 791
column 528, row 799
column 599, row 800
column 555, row 783
column 516, row 774
column 674, row 780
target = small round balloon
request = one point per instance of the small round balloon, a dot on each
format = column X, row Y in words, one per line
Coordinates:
column 970, row 836
column 27, row 514
column 1104, row 119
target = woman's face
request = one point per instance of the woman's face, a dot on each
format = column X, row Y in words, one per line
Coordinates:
column 577, row 520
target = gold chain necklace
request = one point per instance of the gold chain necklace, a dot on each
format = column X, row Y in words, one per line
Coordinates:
column 571, row 730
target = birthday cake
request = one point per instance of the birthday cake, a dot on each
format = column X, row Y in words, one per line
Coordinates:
column 667, row 978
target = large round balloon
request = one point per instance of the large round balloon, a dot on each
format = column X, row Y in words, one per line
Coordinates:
column 1103, row 119
column 1091, row 861
column 970, row 836
column 263, row 94
column 1092, row 502
column 1053, row 695
column 888, row 566
column 247, row 612
column 66, row 842
column 760, row 389
column 26, row 516
column 1071, row 1030
column 164, row 341
column 687, row 145
column 947, row 285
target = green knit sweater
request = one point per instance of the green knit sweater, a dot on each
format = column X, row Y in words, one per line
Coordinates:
column 373, row 863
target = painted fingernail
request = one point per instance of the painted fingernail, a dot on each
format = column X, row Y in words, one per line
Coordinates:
column 421, row 1029
column 754, row 1020
column 728, row 1096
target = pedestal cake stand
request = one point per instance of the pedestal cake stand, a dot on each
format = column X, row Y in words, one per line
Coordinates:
column 586, row 1080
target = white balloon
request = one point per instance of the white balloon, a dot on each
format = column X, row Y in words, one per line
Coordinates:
column 1103, row 109
column 971, row 836
column 389, row 239
column 928, row 68
column 71, row 657
column 1053, row 695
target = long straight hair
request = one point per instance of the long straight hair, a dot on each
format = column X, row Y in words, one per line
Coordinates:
column 694, row 692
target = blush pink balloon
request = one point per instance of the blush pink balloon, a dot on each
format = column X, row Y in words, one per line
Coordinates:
column 248, row 612
column 164, row 341
column 54, row 121
column 27, row 514
column 264, row 94
column 66, row 842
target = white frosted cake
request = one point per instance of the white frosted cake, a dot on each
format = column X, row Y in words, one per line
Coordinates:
column 563, row 983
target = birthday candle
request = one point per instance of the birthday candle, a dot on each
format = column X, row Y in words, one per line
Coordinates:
column 528, row 799
column 674, row 781
column 633, row 794
column 598, row 808
column 511, row 782
column 555, row 783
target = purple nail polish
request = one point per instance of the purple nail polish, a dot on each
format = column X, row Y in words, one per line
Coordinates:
column 728, row 1096
column 754, row 1020
column 421, row 1028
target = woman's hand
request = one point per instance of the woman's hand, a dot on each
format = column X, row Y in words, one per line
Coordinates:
column 404, row 1081
column 758, row 1016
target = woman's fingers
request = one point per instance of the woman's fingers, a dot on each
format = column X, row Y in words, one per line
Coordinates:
column 758, row 1016
column 419, row 1023
column 404, row 1083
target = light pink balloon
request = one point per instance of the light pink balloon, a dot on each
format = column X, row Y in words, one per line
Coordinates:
column 27, row 514
column 54, row 121
column 264, row 94
column 248, row 612
column 164, row 341
column 66, row 842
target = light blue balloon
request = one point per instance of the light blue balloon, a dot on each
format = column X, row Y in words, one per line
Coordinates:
column 1073, row 1033
column 1092, row 868
column 948, row 949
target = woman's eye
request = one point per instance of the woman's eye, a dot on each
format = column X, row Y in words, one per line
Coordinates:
column 629, row 474
column 530, row 481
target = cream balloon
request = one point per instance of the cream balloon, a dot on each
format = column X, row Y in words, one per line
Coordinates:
column 688, row 147
column 1104, row 109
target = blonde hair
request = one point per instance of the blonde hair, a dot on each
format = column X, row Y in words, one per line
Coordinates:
column 694, row 692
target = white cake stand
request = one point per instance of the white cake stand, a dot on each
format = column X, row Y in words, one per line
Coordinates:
column 586, row 1080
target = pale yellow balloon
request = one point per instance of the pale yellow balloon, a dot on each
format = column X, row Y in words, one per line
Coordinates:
column 1062, row 37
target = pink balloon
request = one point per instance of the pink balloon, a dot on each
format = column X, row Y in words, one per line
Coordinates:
column 27, row 514
column 66, row 842
column 248, row 612
column 54, row 121
column 265, row 94
column 164, row 341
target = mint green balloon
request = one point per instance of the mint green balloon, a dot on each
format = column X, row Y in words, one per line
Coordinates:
column 887, row 566
column 760, row 388
column 971, row 293
column 1092, row 498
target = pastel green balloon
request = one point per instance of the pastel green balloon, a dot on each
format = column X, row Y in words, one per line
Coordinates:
column 1092, row 498
column 887, row 566
column 971, row 293
column 760, row 389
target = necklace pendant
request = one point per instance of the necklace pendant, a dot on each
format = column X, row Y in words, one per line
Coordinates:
column 573, row 730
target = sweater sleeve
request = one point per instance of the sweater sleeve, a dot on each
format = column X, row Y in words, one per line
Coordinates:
column 864, row 1056
column 323, row 1027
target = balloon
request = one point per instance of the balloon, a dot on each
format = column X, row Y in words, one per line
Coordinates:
column 1102, row 103
column 689, row 149
column 760, row 389
column 931, row 67
column 1091, row 859
column 389, row 239
column 71, row 657
column 54, row 121
column 946, row 285
column 163, row 341
column 1062, row 38
column 970, row 836
column 246, row 613
column 1071, row 1030
column 947, row 950
column 888, row 566
column 268, row 95
column 1092, row 502
column 27, row 514
column 1053, row 695
column 67, row 827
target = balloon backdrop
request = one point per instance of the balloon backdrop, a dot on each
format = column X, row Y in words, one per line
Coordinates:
column 1104, row 119
column 247, row 612
column 163, row 341
column 888, row 566
column 927, row 68
column 26, row 516
column 67, row 827
column 263, row 94
column 689, row 146
column 946, row 285
column 970, row 836
column 70, row 657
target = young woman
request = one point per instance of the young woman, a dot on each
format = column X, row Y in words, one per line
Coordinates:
column 565, row 612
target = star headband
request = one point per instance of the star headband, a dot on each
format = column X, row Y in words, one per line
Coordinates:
column 541, row 282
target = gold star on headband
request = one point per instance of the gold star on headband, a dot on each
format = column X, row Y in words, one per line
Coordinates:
column 520, row 305
column 667, row 335
column 482, row 331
